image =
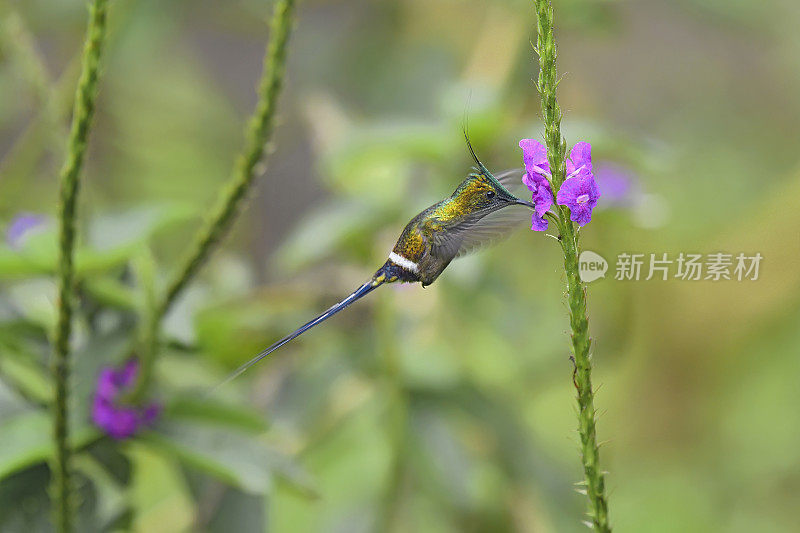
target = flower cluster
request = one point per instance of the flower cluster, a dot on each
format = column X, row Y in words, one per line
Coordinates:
column 579, row 191
column 117, row 420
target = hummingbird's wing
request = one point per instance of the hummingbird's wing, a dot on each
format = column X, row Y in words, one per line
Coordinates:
column 473, row 234
column 512, row 181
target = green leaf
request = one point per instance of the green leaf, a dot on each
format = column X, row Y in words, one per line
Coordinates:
column 247, row 511
column 375, row 160
column 330, row 229
column 115, row 238
column 24, row 432
column 213, row 411
column 133, row 228
column 237, row 459
column 26, row 440
column 39, row 255
column 25, row 504
column 111, row 503
column 109, row 454
column 157, row 492
column 219, row 452
column 30, row 378
column 111, row 292
column 229, row 509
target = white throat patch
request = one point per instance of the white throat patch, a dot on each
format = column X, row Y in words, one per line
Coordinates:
column 404, row 263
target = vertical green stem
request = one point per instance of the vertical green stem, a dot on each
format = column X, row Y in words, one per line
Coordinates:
column 576, row 291
column 81, row 119
column 258, row 135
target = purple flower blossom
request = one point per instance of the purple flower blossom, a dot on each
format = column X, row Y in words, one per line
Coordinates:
column 580, row 194
column 21, row 227
column 534, row 154
column 579, row 161
column 620, row 187
column 536, row 178
column 579, row 191
column 542, row 199
column 117, row 420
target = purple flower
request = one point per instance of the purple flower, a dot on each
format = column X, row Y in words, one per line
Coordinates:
column 620, row 187
column 580, row 194
column 536, row 178
column 542, row 199
column 579, row 191
column 534, row 154
column 117, row 420
column 579, row 160
column 21, row 227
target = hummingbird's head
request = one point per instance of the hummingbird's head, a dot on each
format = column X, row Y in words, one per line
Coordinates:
column 481, row 191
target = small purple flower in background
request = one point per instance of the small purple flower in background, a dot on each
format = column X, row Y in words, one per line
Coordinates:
column 620, row 188
column 21, row 227
column 120, row 421
column 579, row 191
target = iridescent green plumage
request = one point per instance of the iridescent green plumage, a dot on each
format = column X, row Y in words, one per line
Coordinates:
column 473, row 216
column 458, row 224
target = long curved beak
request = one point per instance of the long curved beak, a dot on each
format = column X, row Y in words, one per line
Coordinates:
column 526, row 204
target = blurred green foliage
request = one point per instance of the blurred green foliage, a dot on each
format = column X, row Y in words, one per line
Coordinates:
column 444, row 409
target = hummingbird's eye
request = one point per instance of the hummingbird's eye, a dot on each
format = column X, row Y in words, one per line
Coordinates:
column 490, row 194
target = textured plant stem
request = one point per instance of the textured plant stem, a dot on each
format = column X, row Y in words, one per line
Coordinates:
column 576, row 291
column 83, row 110
column 257, row 136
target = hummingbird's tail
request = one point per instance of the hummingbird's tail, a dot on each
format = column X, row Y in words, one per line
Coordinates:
column 359, row 293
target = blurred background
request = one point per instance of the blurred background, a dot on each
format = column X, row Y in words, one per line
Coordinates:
column 445, row 409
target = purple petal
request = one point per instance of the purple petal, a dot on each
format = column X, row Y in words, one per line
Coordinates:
column 580, row 194
column 581, row 215
column 127, row 375
column 579, row 160
column 538, row 223
column 102, row 412
column 124, row 424
column 116, row 420
column 569, row 191
column 151, row 413
column 529, row 179
column 542, row 198
column 617, row 183
column 107, row 384
column 534, row 154
column 22, row 226
column 581, row 155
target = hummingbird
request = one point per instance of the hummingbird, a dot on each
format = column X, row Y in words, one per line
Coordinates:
column 479, row 211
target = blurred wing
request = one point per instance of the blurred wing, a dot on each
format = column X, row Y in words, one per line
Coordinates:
column 472, row 235
column 512, row 181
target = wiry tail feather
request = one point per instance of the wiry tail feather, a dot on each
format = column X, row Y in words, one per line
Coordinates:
column 357, row 294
